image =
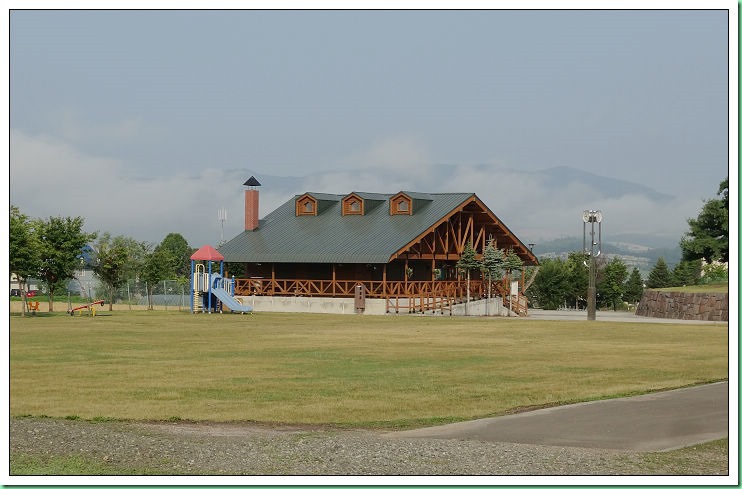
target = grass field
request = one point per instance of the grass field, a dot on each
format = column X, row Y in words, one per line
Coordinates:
column 390, row 371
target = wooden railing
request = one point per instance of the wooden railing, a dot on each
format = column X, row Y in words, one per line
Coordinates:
column 346, row 288
column 410, row 296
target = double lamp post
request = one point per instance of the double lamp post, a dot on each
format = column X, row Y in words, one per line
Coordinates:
column 592, row 217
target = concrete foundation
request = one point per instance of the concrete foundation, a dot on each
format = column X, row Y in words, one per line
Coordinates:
column 342, row 305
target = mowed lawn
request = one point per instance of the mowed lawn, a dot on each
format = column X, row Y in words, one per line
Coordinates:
column 390, row 371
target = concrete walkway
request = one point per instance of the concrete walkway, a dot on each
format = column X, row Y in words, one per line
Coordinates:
column 653, row 422
column 617, row 316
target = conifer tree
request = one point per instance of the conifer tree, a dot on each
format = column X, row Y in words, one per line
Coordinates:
column 467, row 263
column 659, row 276
column 493, row 264
column 686, row 273
column 634, row 287
column 708, row 237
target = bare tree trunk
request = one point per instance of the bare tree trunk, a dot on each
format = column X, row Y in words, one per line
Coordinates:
column 22, row 286
column 51, row 299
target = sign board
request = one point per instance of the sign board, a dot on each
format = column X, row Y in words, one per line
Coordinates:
column 514, row 288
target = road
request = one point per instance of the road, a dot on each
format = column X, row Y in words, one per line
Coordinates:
column 653, row 422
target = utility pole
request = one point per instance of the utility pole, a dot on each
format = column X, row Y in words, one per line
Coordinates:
column 222, row 217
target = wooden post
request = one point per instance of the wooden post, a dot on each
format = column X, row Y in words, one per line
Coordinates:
column 383, row 282
column 334, row 281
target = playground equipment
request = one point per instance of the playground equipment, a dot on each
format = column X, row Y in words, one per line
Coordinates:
column 89, row 307
column 210, row 291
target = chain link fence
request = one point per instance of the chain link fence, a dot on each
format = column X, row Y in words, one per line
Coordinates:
column 163, row 294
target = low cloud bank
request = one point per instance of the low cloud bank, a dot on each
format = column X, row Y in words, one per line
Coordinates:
column 50, row 177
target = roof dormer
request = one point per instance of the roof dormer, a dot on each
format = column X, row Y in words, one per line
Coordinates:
column 306, row 205
column 353, row 205
column 400, row 204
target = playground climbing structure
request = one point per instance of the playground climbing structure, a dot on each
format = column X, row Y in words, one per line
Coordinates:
column 210, row 290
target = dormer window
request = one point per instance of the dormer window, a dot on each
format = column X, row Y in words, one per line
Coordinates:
column 400, row 204
column 353, row 205
column 306, row 205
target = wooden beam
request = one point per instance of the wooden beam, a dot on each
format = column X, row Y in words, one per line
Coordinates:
column 480, row 239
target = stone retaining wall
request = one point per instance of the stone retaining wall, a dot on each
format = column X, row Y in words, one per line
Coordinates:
column 699, row 306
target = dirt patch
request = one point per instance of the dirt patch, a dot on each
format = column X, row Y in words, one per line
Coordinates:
column 236, row 429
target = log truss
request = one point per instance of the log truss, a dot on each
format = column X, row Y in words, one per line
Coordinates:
column 471, row 222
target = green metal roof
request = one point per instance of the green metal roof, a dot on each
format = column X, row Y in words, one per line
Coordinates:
column 330, row 237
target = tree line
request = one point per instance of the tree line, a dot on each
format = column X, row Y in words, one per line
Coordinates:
column 705, row 253
column 52, row 249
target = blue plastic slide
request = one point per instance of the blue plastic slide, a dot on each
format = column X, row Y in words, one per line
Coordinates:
column 232, row 303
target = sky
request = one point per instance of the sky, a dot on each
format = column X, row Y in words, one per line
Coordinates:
column 146, row 122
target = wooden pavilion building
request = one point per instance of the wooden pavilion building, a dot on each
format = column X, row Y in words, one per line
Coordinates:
column 402, row 247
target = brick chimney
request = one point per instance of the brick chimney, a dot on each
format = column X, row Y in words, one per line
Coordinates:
column 251, row 204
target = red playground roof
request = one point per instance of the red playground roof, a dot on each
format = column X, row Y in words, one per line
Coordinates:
column 207, row 253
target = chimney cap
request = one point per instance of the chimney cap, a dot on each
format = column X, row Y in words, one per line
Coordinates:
column 252, row 182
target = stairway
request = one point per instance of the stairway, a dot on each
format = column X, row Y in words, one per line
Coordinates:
column 197, row 305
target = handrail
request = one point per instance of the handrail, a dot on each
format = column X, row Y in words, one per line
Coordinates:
column 374, row 288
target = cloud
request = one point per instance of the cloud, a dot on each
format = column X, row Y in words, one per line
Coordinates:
column 52, row 177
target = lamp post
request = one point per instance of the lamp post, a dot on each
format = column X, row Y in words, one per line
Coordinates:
column 592, row 217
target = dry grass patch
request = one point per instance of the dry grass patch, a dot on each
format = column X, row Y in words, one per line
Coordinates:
column 365, row 371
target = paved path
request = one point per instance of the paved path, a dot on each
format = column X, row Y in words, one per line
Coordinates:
column 652, row 422
column 622, row 316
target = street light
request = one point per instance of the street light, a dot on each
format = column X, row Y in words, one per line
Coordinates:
column 592, row 217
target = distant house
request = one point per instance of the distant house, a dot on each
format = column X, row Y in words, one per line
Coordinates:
column 15, row 285
column 401, row 244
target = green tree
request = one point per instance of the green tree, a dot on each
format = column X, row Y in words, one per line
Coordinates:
column 550, row 285
column 177, row 255
column 493, row 263
column 154, row 270
column 467, row 263
column 659, row 276
column 61, row 240
column 708, row 237
column 513, row 263
column 113, row 263
column 611, row 288
column 634, row 287
column 577, row 279
column 686, row 273
column 24, row 251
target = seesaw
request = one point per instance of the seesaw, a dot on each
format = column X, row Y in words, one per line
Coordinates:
column 90, row 307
